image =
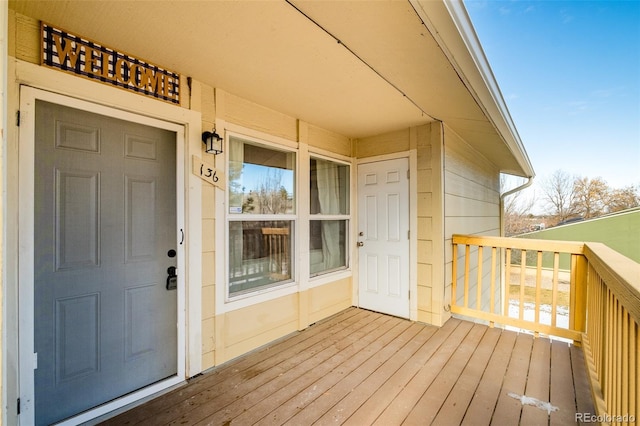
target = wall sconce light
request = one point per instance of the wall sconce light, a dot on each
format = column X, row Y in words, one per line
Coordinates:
column 212, row 142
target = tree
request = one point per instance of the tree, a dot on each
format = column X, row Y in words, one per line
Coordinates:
column 516, row 209
column 622, row 199
column 590, row 197
column 558, row 190
column 271, row 196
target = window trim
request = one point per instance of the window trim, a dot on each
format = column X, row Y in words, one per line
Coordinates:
column 347, row 217
column 302, row 281
column 294, row 218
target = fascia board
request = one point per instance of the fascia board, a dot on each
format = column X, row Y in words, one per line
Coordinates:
column 451, row 26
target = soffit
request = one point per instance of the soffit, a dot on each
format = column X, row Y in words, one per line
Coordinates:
column 386, row 73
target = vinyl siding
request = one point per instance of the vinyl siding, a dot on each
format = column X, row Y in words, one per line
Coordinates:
column 472, row 207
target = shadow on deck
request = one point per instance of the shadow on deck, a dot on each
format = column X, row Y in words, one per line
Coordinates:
column 360, row 367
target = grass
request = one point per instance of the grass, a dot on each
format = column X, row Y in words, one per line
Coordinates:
column 545, row 295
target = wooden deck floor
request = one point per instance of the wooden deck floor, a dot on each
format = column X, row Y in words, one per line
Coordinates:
column 362, row 368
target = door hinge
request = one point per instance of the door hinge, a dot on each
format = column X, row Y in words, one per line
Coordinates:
column 18, row 118
column 408, row 234
column 35, row 360
column 408, row 173
column 18, row 406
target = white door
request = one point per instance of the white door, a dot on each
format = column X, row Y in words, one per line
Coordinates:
column 104, row 237
column 383, row 237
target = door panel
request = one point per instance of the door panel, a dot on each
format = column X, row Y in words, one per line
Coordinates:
column 105, row 218
column 383, row 223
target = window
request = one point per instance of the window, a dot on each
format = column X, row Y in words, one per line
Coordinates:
column 261, row 215
column 329, row 208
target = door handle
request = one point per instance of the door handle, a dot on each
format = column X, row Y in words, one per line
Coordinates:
column 360, row 244
column 172, row 279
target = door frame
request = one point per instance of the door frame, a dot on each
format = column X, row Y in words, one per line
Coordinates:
column 26, row 181
column 413, row 227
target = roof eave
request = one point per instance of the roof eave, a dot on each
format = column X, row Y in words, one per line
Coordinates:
column 453, row 30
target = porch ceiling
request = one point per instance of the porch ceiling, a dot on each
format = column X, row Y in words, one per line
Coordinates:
column 387, row 71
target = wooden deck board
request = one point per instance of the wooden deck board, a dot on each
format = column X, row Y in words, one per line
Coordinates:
column 455, row 406
column 264, row 383
column 427, row 408
column 482, row 405
column 537, row 383
column 508, row 409
column 363, row 368
column 365, row 404
column 561, row 392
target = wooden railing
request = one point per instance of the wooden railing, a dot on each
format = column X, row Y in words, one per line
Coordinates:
column 588, row 292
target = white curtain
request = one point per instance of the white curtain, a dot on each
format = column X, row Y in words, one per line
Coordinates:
column 329, row 197
column 236, row 161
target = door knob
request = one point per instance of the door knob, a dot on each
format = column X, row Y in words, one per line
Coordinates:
column 360, row 244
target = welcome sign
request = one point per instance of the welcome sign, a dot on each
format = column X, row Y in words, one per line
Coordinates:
column 77, row 55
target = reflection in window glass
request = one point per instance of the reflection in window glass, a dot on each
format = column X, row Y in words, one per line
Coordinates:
column 259, row 254
column 261, row 180
column 329, row 187
column 327, row 245
column 329, row 206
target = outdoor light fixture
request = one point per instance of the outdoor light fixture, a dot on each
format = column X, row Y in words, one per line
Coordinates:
column 212, row 142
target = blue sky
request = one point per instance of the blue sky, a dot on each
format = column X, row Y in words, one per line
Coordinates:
column 570, row 74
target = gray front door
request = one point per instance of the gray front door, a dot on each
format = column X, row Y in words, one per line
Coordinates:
column 105, row 221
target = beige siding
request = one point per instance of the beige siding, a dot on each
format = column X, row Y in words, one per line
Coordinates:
column 243, row 330
column 388, row 143
column 429, row 211
column 3, row 142
column 472, row 205
column 328, row 141
column 242, row 112
column 327, row 300
column 228, row 335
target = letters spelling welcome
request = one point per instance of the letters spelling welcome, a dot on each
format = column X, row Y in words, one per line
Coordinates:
column 96, row 65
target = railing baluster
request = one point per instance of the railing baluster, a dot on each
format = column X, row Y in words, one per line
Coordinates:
column 624, row 336
column 467, row 255
column 604, row 307
column 454, row 277
column 479, row 284
column 507, row 287
column 538, row 286
column 492, row 297
column 523, row 270
column 554, row 288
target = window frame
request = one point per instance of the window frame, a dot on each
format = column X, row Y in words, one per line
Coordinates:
column 293, row 218
column 217, row 250
column 346, row 217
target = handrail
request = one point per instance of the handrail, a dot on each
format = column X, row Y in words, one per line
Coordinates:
column 603, row 305
column 485, row 307
column 611, row 341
